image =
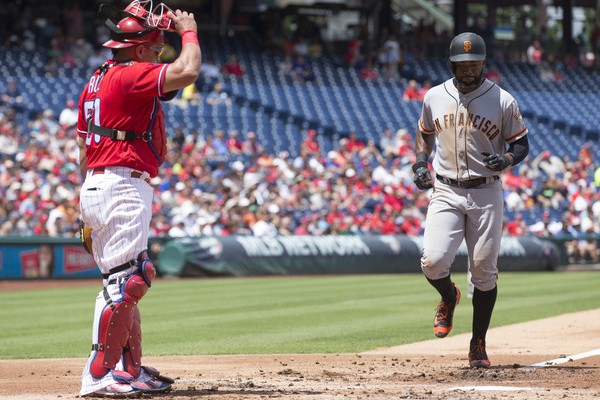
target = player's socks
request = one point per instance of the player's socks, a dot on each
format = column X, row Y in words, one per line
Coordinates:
column 446, row 289
column 483, row 305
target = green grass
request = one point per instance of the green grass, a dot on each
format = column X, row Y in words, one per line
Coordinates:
column 279, row 314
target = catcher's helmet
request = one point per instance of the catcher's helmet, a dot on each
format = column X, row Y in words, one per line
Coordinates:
column 467, row 46
column 131, row 31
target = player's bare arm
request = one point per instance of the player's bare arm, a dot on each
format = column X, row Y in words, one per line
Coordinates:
column 82, row 156
column 185, row 69
column 424, row 144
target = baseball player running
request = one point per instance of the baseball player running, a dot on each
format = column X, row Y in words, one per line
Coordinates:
column 122, row 143
column 470, row 120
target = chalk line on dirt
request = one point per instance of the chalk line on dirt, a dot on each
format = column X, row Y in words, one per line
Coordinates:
column 562, row 360
column 491, row 388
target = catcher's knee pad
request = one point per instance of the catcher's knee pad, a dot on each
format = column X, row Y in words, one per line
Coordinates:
column 114, row 328
column 137, row 284
column 132, row 353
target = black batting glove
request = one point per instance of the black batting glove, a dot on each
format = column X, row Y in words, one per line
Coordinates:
column 422, row 178
column 496, row 162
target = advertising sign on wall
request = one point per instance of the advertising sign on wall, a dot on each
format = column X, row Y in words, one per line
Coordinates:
column 31, row 258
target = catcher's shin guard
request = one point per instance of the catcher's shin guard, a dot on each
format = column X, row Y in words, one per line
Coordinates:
column 120, row 323
column 132, row 353
column 113, row 332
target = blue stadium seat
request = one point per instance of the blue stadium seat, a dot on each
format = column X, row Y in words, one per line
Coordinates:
column 339, row 102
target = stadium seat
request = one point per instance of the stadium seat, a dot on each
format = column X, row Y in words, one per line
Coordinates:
column 339, row 101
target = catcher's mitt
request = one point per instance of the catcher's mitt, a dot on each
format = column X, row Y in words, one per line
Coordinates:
column 85, row 235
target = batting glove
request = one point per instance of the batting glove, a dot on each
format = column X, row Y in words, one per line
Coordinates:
column 496, row 162
column 422, row 177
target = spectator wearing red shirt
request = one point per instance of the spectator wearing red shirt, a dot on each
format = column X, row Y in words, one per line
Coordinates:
column 234, row 145
column 411, row 93
column 387, row 225
column 233, row 67
column 302, row 228
column 391, row 200
column 534, row 53
column 409, row 224
column 493, row 75
column 334, row 213
column 381, row 221
column 369, row 73
column 353, row 57
column 310, row 144
column 354, row 143
column 516, row 227
column 424, row 89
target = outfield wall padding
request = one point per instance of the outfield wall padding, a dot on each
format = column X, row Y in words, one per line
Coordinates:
column 293, row 255
column 44, row 257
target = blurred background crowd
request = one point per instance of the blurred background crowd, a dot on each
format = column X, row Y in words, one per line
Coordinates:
column 229, row 184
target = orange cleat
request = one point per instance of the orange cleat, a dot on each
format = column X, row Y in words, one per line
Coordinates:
column 444, row 314
column 478, row 357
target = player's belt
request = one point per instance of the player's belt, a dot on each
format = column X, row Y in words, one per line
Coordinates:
column 134, row 174
column 469, row 183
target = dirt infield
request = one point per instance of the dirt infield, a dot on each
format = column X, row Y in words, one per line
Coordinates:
column 435, row 369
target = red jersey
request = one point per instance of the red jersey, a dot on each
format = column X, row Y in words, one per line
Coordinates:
column 125, row 98
column 312, row 145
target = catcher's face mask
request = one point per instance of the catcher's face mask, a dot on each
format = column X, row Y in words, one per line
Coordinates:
column 157, row 18
column 142, row 24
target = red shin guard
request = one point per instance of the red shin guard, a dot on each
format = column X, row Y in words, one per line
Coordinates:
column 120, row 332
column 132, row 356
column 115, row 324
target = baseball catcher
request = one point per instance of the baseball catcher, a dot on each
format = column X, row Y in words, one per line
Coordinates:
column 122, row 143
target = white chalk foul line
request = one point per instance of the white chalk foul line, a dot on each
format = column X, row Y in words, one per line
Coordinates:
column 491, row 388
column 565, row 359
column 543, row 364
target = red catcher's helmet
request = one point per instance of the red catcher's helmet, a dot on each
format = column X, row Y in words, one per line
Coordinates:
column 130, row 32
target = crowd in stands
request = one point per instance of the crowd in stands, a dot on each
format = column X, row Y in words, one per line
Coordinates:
column 224, row 184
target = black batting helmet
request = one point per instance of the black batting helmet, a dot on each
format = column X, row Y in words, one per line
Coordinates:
column 467, row 46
